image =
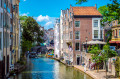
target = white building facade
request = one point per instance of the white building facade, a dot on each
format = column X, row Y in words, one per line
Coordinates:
column 56, row 39
column 61, row 34
column 97, row 29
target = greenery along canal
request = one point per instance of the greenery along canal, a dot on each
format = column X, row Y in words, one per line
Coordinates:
column 44, row 68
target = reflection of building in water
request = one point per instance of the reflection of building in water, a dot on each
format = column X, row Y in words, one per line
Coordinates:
column 56, row 70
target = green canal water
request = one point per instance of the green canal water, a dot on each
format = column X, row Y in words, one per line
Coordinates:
column 44, row 68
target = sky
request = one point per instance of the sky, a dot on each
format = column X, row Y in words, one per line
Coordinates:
column 46, row 11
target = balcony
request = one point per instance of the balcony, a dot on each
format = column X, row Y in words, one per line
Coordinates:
column 115, row 38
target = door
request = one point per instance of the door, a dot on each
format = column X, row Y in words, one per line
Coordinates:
column 78, row 60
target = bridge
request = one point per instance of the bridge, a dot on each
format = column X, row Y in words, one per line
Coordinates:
column 50, row 47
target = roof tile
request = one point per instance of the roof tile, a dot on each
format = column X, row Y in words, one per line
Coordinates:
column 86, row 11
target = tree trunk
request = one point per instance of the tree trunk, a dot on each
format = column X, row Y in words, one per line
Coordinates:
column 117, row 67
column 106, row 69
column 98, row 68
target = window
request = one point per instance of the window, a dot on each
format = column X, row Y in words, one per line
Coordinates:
column 70, row 24
column 0, row 3
column 95, row 23
column 95, row 33
column 0, row 40
column 113, row 33
column 70, row 15
column 116, row 32
column 7, row 39
column 77, row 35
column 77, row 46
column 101, row 34
column 77, row 23
column 119, row 32
column 70, row 35
column 1, row 20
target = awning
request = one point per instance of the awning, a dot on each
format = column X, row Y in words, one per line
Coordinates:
column 114, row 41
column 94, row 42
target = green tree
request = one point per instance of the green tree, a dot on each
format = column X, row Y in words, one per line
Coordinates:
column 106, row 54
column 102, row 55
column 23, row 18
column 26, row 46
column 31, row 33
column 95, row 51
column 109, row 34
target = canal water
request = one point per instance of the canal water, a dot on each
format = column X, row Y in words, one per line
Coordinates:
column 45, row 68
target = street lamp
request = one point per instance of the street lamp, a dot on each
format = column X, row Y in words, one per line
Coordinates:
column 85, row 56
column 86, row 43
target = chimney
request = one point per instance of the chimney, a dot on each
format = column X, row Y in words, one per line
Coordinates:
column 96, row 5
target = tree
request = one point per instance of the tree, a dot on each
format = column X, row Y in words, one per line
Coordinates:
column 110, row 12
column 23, row 18
column 106, row 54
column 99, row 56
column 95, row 51
column 109, row 34
column 31, row 33
column 80, row 1
column 26, row 46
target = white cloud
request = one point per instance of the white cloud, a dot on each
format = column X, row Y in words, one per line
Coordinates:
column 42, row 18
column 48, row 23
column 24, row 0
column 25, row 14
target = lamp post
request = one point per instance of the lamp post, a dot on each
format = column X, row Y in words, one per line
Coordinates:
column 86, row 43
column 85, row 56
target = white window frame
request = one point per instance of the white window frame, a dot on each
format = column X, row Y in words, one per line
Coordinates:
column 94, row 23
column 75, row 23
column 75, row 35
column 94, row 34
column 96, row 28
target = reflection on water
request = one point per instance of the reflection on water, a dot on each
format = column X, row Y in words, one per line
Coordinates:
column 44, row 68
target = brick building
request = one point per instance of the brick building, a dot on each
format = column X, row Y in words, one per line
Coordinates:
column 79, row 23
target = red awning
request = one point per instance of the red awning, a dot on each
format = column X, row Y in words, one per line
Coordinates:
column 114, row 41
column 117, row 41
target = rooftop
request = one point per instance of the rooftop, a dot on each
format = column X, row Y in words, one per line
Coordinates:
column 92, row 11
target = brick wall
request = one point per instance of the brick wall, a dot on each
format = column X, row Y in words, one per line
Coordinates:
column 85, row 31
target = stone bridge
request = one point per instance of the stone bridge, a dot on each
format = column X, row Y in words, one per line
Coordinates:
column 50, row 47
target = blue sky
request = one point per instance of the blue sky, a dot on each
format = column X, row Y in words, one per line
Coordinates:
column 45, row 11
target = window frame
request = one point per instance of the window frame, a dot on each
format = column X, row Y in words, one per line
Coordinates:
column 75, row 46
column 75, row 24
column 96, row 34
column 119, row 32
column 78, row 35
column 71, row 35
column 94, row 22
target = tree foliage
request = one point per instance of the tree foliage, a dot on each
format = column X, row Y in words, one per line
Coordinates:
column 80, row 1
column 110, row 12
column 95, row 51
column 102, row 55
column 31, row 33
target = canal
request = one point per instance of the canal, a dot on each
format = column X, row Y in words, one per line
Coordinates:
column 44, row 68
